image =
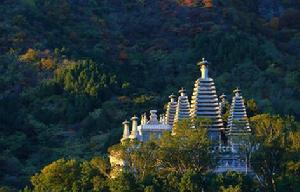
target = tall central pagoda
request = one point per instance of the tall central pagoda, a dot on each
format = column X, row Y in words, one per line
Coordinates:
column 204, row 102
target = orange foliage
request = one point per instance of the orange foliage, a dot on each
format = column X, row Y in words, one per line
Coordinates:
column 188, row 3
column 207, row 3
column 29, row 56
column 46, row 63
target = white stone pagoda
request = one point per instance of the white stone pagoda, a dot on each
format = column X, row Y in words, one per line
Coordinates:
column 205, row 104
column 238, row 124
column 171, row 110
column 146, row 129
column 183, row 107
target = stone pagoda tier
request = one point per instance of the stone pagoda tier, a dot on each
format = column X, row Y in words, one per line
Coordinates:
column 171, row 110
column 238, row 128
column 204, row 102
column 183, row 106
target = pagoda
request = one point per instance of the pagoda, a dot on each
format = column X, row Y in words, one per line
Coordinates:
column 204, row 103
column 223, row 103
column 171, row 110
column 126, row 131
column 238, row 124
column 134, row 131
column 183, row 106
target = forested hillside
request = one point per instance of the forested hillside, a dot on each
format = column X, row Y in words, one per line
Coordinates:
column 72, row 70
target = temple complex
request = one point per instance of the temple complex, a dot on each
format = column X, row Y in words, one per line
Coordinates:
column 227, row 136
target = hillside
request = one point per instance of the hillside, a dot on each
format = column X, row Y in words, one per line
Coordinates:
column 72, row 70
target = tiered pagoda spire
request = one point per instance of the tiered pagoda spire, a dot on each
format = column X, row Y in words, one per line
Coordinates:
column 204, row 103
column 171, row 110
column 238, row 122
column 183, row 106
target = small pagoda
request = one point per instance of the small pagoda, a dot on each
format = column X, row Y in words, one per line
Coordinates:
column 171, row 110
column 238, row 124
column 183, row 106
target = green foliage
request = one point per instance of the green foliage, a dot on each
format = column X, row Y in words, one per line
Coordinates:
column 84, row 77
column 273, row 159
column 230, row 189
column 72, row 175
column 187, row 150
column 125, row 182
column 190, row 182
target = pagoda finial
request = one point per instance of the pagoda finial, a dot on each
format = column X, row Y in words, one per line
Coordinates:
column 172, row 97
column 237, row 91
column 203, row 68
column 223, row 96
column 182, row 91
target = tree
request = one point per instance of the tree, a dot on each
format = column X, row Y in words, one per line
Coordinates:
column 187, row 149
column 85, row 77
column 145, row 158
column 61, row 175
column 233, row 181
column 272, row 144
column 125, row 182
column 72, row 175
column 230, row 189
column 191, row 182
column 207, row 3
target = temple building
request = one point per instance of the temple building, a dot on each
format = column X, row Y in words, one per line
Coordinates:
column 171, row 110
column 147, row 128
column 205, row 102
column 183, row 107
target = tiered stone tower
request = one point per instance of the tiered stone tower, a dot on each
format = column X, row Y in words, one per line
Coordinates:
column 205, row 103
column 238, row 124
column 171, row 110
column 183, row 106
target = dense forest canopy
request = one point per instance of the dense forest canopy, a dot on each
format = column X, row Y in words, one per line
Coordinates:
column 72, row 70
